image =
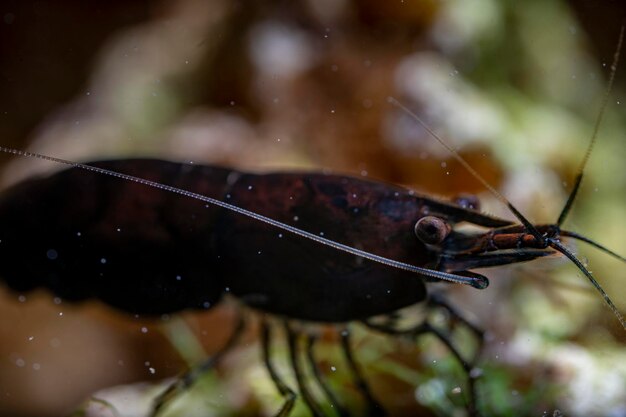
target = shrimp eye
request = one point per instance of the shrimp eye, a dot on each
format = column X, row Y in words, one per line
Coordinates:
column 467, row 201
column 431, row 230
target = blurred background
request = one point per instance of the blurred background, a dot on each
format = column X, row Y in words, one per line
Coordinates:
column 280, row 85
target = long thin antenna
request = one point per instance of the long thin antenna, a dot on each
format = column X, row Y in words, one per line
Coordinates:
column 596, row 128
column 474, row 281
column 565, row 251
column 596, row 245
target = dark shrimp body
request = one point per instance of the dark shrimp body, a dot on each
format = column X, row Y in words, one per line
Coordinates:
column 143, row 250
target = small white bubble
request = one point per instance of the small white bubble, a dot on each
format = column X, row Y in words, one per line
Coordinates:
column 147, row 363
column 57, row 300
column 280, row 235
column 152, row 370
column 249, row 187
column 332, row 368
column 144, row 330
column 21, row 298
column 78, row 234
column 31, row 338
column 206, row 304
column 36, row 366
column 296, row 218
column 456, row 390
column 20, row 362
column 52, row 254
column 103, row 260
column 60, row 314
column 178, row 278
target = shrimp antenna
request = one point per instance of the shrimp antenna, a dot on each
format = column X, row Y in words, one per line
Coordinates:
column 530, row 228
column 596, row 245
column 477, row 281
column 596, row 128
